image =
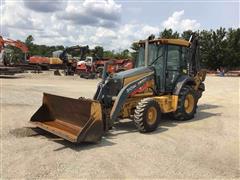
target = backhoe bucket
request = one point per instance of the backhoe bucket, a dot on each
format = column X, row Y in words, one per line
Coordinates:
column 77, row 120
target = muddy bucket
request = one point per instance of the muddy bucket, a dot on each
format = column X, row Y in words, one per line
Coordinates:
column 76, row 120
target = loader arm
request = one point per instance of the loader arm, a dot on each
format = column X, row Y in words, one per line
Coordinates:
column 82, row 49
column 125, row 92
column 18, row 44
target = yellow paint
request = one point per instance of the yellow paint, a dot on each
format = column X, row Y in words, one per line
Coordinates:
column 167, row 103
column 189, row 103
column 96, row 111
column 179, row 42
column 174, row 102
column 145, row 94
column 133, row 78
column 200, row 77
column 129, row 105
column 151, row 115
column 54, row 60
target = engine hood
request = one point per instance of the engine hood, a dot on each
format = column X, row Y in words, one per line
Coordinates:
column 132, row 74
column 114, row 83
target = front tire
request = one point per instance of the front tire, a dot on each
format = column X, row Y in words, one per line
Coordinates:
column 187, row 104
column 147, row 115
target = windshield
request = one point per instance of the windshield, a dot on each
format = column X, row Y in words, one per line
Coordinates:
column 140, row 58
column 155, row 55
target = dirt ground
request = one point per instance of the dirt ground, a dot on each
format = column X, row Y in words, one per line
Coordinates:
column 205, row 147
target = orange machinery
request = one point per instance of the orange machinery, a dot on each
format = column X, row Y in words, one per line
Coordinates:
column 91, row 69
column 4, row 69
column 17, row 44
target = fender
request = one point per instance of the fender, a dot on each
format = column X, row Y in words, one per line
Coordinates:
column 125, row 92
column 183, row 80
column 201, row 87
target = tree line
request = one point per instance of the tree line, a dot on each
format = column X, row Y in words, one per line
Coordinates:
column 218, row 48
column 97, row 51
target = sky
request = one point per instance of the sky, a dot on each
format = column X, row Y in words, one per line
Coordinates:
column 108, row 23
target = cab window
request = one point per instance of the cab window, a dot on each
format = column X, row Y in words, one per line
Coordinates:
column 173, row 59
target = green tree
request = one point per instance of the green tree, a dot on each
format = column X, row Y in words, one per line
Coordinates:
column 125, row 54
column 205, row 46
column 232, row 59
column 40, row 50
column 98, row 52
column 29, row 40
column 108, row 54
column 168, row 33
column 218, row 48
column 186, row 34
column 213, row 46
column 134, row 48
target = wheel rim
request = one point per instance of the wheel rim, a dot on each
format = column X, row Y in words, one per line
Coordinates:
column 151, row 115
column 189, row 103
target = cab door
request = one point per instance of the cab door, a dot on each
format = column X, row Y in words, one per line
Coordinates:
column 173, row 66
column 156, row 56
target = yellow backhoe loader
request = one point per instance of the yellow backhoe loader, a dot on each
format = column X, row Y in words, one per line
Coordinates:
column 167, row 79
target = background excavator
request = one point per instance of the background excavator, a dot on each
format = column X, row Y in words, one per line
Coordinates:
column 5, row 62
column 17, row 44
column 167, row 79
column 69, row 64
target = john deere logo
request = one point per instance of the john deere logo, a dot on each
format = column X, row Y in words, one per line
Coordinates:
column 131, row 88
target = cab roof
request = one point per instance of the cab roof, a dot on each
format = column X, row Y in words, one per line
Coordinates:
column 179, row 42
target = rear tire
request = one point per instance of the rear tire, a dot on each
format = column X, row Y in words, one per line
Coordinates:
column 187, row 104
column 200, row 90
column 147, row 115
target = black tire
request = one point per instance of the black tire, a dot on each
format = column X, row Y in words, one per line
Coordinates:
column 92, row 76
column 200, row 90
column 185, row 113
column 45, row 67
column 106, row 121
column 141, row 114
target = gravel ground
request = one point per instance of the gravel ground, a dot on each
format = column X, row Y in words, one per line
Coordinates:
column 205, row 147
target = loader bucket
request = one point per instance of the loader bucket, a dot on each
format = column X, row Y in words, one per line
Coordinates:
column 76, row 120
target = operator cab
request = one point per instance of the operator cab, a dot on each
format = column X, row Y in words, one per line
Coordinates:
column 168, row 57
column 89, row 61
